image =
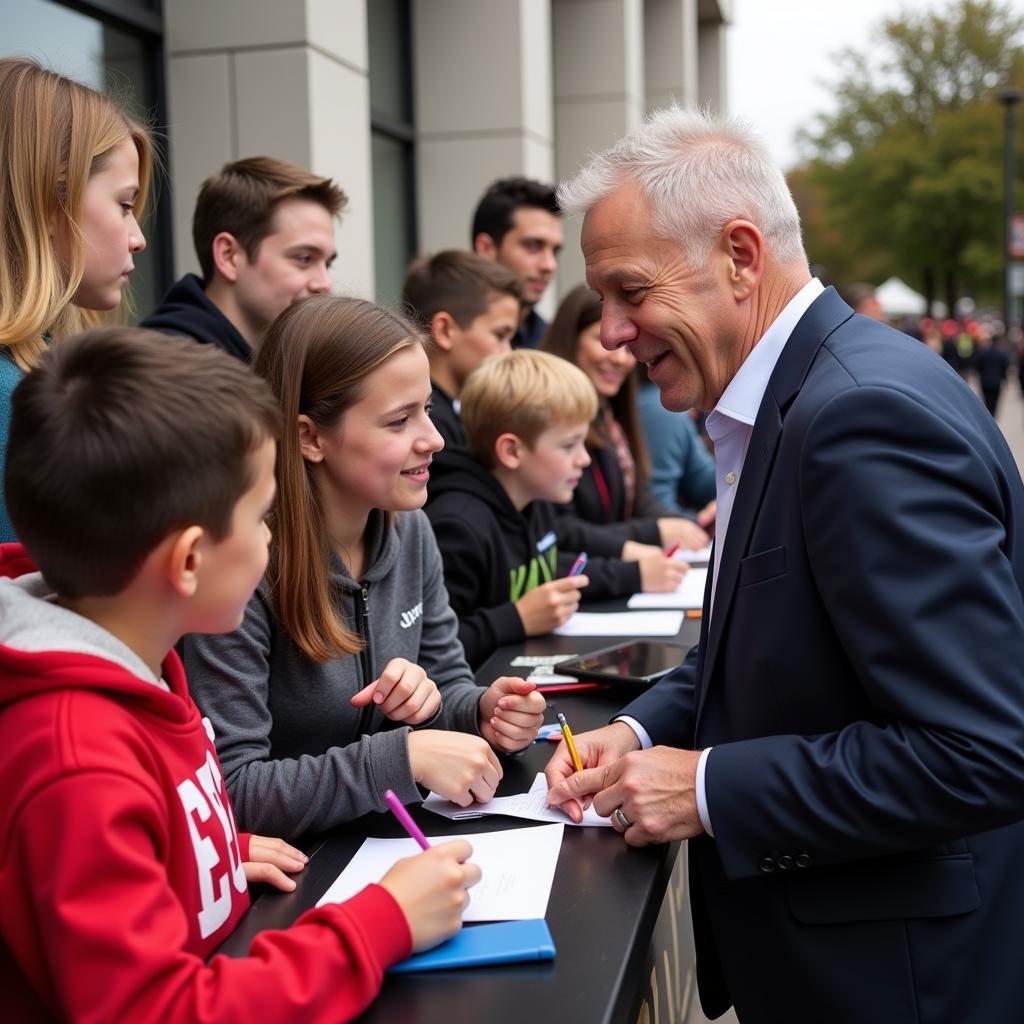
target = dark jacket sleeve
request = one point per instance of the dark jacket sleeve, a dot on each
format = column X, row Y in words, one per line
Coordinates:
column 666, row 710
column 905, row 519
column 602, row 539
column 609, row 577
column 588, row 507
column 468, row 577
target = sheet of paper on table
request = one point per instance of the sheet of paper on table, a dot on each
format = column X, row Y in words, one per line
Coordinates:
column 530, row 805
column 517, row 865
column 692, row 555
column 689, row 594
column 621, row 624
column 539, row 660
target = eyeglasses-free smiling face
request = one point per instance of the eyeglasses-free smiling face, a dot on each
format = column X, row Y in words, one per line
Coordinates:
column 551, row 469
column 292, row 262
column 681, row 322
column 607, row 370
column 379, row 453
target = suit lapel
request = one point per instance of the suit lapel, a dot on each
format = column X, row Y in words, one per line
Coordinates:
column 826, row 313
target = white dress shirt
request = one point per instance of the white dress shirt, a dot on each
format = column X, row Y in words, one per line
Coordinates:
column 730, row 425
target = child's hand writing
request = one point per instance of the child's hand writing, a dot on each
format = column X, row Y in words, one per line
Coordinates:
column 403, row 692
column 661, row 575
column 684, row 532
column 633, row 550
column 550, row 604
column 431, row 888
column 268, row 861
column 511, row 712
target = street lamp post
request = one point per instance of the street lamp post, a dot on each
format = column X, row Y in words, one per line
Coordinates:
column 1009, row 98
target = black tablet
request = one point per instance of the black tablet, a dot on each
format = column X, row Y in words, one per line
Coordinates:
column 639, row 663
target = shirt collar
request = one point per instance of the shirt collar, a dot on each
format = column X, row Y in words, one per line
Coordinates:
column 742, row 398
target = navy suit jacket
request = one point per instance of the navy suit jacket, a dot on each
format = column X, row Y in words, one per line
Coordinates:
column 862, row 683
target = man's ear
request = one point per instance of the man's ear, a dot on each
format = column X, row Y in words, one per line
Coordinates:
column 228, row 255
column 743, row 247
column 444, row 330
column 309, row 440
column 507, row 449
column 484, row 245
column 185, row 560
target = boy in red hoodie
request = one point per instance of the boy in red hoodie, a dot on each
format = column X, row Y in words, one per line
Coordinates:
column 139, row 471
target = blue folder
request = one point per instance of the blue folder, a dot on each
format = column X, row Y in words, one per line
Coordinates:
column 506, row 942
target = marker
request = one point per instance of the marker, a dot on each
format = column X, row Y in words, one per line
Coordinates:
column 672, row 550
column 567, row 734
column 579, row 565
column 404, row 820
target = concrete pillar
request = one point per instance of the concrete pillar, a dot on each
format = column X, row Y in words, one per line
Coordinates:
column 670, row 53
column 282, row 78
column 483, row 106
column 711, row 88
column 599, row 93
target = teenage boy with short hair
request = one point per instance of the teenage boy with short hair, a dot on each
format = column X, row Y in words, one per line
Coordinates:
column 139, row 473
column 518, row 223
column 263, row 231
column 470, row 308
column 526, row 416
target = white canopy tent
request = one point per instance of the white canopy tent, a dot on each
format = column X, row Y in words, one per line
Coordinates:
column 897, row 298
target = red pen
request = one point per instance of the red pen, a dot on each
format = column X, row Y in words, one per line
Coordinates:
column 672, row 550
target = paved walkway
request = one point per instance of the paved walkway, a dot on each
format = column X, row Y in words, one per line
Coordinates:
column 1010, row 418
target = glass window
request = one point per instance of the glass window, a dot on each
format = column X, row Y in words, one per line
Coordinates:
column 393, row 226
column 109, row 59
column 393, row 133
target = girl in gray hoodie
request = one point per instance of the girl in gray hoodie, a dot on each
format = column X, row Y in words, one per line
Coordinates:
column 346, row 677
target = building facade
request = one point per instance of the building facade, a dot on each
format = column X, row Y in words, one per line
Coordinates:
column 413, row 106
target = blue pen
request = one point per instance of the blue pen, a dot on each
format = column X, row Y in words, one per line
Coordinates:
column 579, row 565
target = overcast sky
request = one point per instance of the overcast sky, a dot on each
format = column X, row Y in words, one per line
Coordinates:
column 781, row 58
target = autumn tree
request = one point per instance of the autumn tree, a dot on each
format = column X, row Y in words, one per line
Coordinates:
column 905, row 177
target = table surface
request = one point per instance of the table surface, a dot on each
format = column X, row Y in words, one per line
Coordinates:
column 604, row 900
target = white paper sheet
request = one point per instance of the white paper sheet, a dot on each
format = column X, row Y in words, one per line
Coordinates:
column 692, row 555
column 622, row 624
column 689, row 594
column 546, row 678
column 517, row 865
column 539, row 660
column 530, row 805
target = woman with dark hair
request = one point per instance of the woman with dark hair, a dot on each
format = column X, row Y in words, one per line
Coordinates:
column 614, row 488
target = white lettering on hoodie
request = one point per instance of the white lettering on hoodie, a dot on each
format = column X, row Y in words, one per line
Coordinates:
column 199, row 802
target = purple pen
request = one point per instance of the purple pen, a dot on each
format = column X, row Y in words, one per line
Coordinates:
column 404, row 819
column 579, row 565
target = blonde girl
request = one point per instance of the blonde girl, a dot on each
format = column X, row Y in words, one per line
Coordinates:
column 76, row 171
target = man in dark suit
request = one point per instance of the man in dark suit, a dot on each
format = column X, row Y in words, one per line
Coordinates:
column 845, row 746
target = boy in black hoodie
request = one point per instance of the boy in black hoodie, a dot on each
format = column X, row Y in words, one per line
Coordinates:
column 525, row 415
column 470, row 308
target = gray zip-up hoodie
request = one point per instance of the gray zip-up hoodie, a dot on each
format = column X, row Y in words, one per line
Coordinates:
column 297, row 756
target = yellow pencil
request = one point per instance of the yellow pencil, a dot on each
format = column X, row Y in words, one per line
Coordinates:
column 567, row 733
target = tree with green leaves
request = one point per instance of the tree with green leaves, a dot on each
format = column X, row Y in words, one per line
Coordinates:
column 905, row 177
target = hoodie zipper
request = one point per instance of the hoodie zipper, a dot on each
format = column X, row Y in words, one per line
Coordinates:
column 362, row 602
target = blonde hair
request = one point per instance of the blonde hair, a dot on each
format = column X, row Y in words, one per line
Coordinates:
column 54, row 133
column 316, row 357
column 523, row 393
